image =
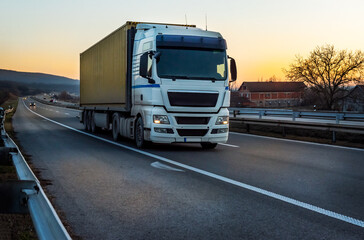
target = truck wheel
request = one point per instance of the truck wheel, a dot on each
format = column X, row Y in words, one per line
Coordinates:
column 115, row 126
column 94, row 128
column 208, row 145
column 85, row 120
column 89, row 116
column 139, row 133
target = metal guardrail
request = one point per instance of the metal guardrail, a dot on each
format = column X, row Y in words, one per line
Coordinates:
column 338, row 116
column 45, row 219
column 330, row 127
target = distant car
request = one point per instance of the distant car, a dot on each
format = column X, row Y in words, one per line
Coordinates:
column 51, row 100
column 32, row 104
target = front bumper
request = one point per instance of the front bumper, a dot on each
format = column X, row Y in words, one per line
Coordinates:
column 180, row 133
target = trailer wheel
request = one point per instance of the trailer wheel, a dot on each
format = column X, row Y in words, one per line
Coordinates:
column 89, row 119
column 85, row 120
column 115, row 126
column 94, row 128
column 208, row 145
column 139, row 133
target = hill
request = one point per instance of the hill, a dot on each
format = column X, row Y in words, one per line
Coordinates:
column 28, row 83
column 30, row 77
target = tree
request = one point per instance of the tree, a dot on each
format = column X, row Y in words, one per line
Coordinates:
column 327, row 72
column 64, row 96
column 272, row 79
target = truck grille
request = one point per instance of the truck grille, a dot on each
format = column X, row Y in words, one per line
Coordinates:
column 193, row 120
column 192, row 132
column 188, row 99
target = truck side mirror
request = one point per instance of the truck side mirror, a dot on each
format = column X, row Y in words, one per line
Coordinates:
column 233, row 70
column 145, row 68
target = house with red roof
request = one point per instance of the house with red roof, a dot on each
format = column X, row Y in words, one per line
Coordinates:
column 271, row 94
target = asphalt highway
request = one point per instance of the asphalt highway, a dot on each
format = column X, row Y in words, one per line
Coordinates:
column 253, row 187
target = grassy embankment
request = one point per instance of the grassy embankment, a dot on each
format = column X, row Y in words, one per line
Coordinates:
column 13, row 226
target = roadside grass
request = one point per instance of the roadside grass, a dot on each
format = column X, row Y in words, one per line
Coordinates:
column 13, row 226
column 12, row 103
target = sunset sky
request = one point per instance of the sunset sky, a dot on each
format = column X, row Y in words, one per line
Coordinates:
column 262, row 35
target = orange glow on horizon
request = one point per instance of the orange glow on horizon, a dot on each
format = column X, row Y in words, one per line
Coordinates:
column 263, row 36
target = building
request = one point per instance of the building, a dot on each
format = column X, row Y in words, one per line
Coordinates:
column 355, row 99
column 272, row 94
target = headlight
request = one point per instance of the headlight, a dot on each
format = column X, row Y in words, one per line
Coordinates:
column 160, row 119
column 222, row 120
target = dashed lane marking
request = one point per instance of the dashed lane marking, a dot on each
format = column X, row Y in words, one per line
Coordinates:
column 228, row 145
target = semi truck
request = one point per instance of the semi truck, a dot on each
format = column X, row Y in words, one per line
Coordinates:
column 156, row 82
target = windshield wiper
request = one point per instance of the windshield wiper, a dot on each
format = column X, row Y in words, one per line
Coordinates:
column 207, row 78
column 175, row 77
column 186, row 77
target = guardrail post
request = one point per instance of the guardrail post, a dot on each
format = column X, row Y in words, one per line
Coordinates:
column 234, row 112
column 247, row 128
column 337, row 118
column 283, row 131
column 261, row 113
column 333, row 136
column 295, row 115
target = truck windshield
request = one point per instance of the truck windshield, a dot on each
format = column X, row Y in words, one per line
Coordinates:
column 191, row 63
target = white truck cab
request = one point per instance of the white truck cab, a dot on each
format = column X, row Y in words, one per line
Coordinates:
column 179, row 87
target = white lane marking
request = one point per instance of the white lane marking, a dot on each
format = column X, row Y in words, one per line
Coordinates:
column 67, row 113
column 292, row 201
column 228, row 145
column 165, row 167
column 57, row 111
column 297, row 141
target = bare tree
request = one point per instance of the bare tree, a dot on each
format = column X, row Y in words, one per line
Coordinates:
column 328, row 71
column 272, row 79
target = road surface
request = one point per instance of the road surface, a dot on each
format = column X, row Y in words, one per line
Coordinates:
column 253, row 187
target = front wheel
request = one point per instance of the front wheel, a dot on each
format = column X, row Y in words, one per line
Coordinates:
column 139, row 133
column 208, row 145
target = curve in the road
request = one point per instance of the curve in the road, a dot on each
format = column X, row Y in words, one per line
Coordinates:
column 292, row 201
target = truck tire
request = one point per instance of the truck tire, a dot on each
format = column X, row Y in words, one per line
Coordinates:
column 139, row 133
column 115, row 126
column 88, row 120
column 85, row 120
column 208, row 145
column 94, row 128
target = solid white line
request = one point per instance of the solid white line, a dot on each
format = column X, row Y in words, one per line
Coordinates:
column 297, row 141
column 292, row 201
column 228, row 145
